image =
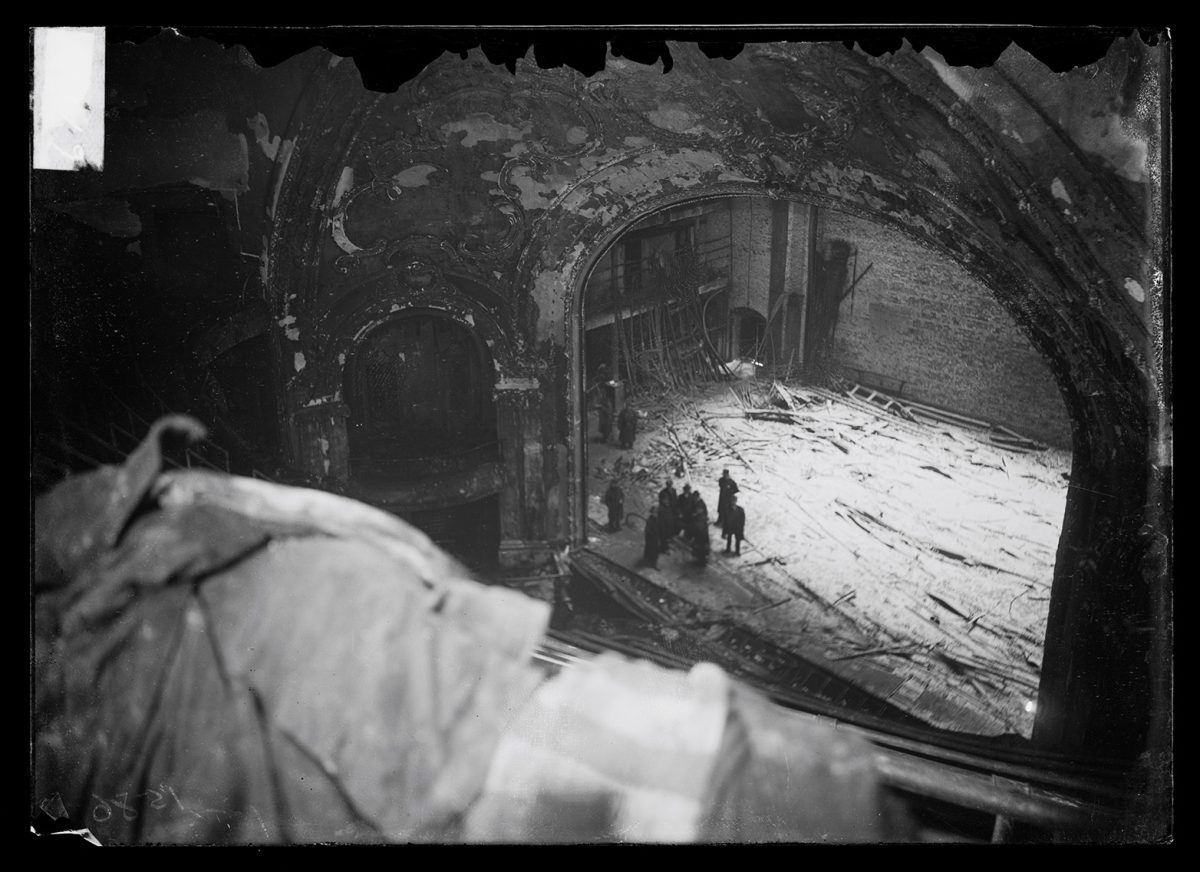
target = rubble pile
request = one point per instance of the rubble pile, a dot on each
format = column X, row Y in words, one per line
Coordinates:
column 878, row 535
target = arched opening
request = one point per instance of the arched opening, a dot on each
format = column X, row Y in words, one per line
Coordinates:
column 748, row 330
column 900, row 446
column 422, row 429
column 419, row 394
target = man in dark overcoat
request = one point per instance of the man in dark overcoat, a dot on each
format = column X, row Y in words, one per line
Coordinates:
column 614, row 498
column 666, row 521
column 699, row 513
column 627, row 426
column 734, row 526
column 687, row 504
column 605, row 415
column 728, row 488
column 672, row 499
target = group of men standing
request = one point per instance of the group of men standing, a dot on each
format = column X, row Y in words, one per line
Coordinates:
column 686, row 514
column 676, row 514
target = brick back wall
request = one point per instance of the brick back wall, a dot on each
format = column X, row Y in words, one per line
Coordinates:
column 751, row 254
column 917, row 316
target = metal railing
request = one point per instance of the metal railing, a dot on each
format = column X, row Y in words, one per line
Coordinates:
column 107, row 429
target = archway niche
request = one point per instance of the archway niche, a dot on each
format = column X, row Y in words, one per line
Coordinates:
column 748, row 330
column 419, row 392
column 421, row 429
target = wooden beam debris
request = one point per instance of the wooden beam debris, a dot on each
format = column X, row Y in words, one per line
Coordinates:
column 899, row 651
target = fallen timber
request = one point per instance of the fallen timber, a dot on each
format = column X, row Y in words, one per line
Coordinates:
column 735, row 648
column 992, row 434
column 1001, row 776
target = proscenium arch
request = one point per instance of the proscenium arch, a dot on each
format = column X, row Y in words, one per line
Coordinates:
column 598, row 246
column 1105, row 503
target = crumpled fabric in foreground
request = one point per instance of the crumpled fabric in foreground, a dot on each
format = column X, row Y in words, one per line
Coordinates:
column 614, row 750
column 626, row 751
column 224, row 660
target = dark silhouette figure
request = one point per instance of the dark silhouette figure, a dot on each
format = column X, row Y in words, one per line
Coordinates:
column 687, row 506
column 604, row 412
column 650, row 553
column 614, row 498
column 728, row 488
column 666, row 521
column 672, row 499
column 734, row 526
column 604, row 400
column 627, row 423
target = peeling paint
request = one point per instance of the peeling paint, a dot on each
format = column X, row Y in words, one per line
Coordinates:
column 262, row 135
column 512, row 383
column 551, row 302
column 674, row 117
column 395, row 308
column 1059, row 191
column 647, row 172
column 342, row 359
column 949, row 75
column 781, row 165
column 415, row 176
column 298, row 361
column 1135, row 290
column 292, row 333
column 483, row 127
column 345, row 183
column 337, row 228
column 534, row 194
column 285, row 157
column 1134, row 165
column 935, row 162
